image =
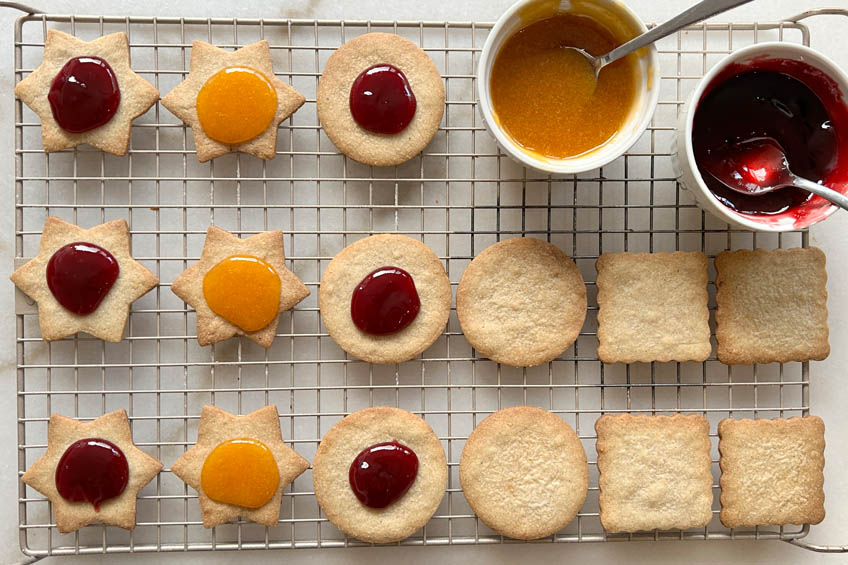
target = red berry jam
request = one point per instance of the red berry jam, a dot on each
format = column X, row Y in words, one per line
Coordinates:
column 381, row 100
column 382, row 473
column 385, row 301
column 80, row 275
column 92, row 470
column 84, row 95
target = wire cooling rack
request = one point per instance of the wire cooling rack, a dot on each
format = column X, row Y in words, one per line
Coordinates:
column 459, row 196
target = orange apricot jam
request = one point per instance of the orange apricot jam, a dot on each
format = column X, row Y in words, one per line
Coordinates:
column 245, row 290
column 236, row 104
column 242, row 472
column 546, row 97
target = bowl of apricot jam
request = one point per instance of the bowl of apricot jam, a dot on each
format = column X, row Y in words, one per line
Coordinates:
column 786, row 94
column 543, row 104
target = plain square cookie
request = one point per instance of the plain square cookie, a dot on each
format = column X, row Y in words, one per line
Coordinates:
column 772, row 471
column 772, row 306
column 655, row 472
column 653, row 307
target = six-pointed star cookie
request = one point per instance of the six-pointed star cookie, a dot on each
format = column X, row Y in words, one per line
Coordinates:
column 217, row 426
column 108, row 321
column 220, row 244
column 206, row 60
column 137, row 95
column 117, row 511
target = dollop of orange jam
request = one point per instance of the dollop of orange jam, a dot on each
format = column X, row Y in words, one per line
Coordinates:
column 242, row 472
column 245, row 290
column 236, row 104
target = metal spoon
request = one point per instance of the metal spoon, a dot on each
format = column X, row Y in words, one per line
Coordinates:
column 699, row 12
column 759, row 166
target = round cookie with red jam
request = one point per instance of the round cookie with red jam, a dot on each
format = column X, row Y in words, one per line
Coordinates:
column 380, row 474
column 85, row 92
column 385, row 298
column 92, row 472
column 380, row 99
column 233, row 101
column 239, row 466
column 84, row 280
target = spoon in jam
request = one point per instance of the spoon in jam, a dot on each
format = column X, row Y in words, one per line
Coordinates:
column 759, row 166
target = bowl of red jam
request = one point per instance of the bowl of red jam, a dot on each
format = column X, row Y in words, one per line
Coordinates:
column 785, row 93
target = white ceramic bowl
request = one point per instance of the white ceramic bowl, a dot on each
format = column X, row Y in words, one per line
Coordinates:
column 683, row 157
column 525, row 12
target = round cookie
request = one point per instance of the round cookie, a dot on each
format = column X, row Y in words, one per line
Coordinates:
column 333, row 99
column 521, row 302
column 345, row 441
column 524, row 472
column 354, row 263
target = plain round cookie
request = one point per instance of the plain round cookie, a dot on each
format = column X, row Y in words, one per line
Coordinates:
column 345, row 441
column 354, row 263
column 333, row 99
column 521, row 302
column 524, row 472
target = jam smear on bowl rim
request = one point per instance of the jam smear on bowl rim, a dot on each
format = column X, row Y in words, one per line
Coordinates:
column 381, row 100
column 80, row 275
column 382, row 473
column 84, row 95
column 385, row 301
column 92, row 470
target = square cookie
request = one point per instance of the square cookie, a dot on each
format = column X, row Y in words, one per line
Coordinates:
column 654, row 472
column 653, row 307
column 771, row 471
column 772, row 306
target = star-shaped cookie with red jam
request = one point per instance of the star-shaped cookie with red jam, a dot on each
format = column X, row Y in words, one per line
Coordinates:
column 92, row 472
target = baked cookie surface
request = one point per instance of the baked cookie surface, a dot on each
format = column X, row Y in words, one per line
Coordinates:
column 655, row 472
column 107, row 322
column 771, row 306
column 521, row 302
column 771, row 471
column 341, row 445
column 347, row 269
column 119, row 511
column 333, row 99
column 524, row 472
column 653, row 307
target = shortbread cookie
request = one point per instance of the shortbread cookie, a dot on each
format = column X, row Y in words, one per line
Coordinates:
column 239, row 287
column 232, row 101
column 771, row 306
column 82, row 494
column 84, row 280
column 85, row 92
column 342, row 446
column 418, row 272
column 373, row 135
column 521, row 302
column 771, row 471
column 239, row 466
column 655, row 472
column 653, row 307
column 524, row 473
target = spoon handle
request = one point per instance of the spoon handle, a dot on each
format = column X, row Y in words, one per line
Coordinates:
column 699, row 12
column 828, row 193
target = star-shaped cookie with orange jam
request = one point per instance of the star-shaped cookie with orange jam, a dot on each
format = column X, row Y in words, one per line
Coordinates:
column 232, row 101
column 92, row 472
column 239, row 466
column 85, row 92
column 239, row 287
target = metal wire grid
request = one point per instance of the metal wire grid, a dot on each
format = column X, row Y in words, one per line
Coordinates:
column 459, row 196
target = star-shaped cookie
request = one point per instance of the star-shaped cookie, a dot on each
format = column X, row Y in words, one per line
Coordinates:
column 137, row 95
column 118, row 511
column 109, row 319
column 206, row 60
column 217, row 426
column 220, row 244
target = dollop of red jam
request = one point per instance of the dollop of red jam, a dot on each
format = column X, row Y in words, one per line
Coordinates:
column 92, row 470
column 381, row 100
column 84, row 95
column 382, row 473
column 80, row 275
column 385, row 302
